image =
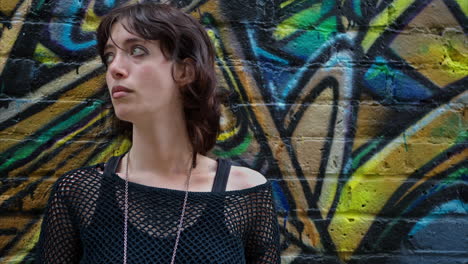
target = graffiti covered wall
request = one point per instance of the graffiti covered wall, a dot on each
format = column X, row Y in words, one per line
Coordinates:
column 356, row 110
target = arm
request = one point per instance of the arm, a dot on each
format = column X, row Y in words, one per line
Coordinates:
column 262, row 240
column 59, row 239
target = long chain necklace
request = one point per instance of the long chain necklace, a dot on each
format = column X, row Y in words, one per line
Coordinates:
column 181, row 220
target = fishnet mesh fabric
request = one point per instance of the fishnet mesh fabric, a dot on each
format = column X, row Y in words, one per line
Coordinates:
column 84, row 218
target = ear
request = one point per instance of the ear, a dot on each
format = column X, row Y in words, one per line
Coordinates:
column 185, row 72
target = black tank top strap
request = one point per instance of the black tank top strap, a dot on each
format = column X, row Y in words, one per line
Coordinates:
column 112, row 164
column 222, row 175
column 219, row 184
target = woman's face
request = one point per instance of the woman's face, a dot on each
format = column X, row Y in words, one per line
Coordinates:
column 139, row 77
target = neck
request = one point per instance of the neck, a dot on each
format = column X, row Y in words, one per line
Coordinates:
column 161, row 148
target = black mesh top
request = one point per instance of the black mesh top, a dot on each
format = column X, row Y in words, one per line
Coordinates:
column 84, row 223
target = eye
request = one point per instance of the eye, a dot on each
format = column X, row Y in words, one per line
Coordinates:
column 138, row 51
column 108, row 58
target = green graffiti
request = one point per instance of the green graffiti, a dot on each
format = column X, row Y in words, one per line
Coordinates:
column 236, row 151
column 300, row 21
column 357, row 7
column 357, row 159
column 455, row 61
column 310, row 41
column 451, row 129
column 45, row 56
column 454, row 176
column 31, row 146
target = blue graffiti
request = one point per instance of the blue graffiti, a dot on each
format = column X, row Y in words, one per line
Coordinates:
column 453, row 207
column 391, row 84
column 61, row 28
column 281, row 201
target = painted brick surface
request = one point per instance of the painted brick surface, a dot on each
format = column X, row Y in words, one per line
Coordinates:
column 356, row 110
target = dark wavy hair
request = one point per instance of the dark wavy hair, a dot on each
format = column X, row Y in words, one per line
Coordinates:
column 180, row 37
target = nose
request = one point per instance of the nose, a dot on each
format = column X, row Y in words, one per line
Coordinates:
column 118, row 67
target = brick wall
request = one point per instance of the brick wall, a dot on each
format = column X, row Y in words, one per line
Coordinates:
column 356, row 110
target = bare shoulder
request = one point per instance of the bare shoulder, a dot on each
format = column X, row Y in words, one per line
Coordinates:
column 243, row 178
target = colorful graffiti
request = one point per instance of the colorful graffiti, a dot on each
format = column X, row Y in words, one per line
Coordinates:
column 356, row 110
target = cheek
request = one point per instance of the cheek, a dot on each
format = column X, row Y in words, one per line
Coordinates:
column 149, row 71
column 157, row 66
column 159, row 77
column 108, row 82
column 109, row 78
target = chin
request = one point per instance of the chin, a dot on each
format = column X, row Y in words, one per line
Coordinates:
column 123, row 114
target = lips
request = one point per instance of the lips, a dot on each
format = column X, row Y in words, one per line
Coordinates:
column 119, row 91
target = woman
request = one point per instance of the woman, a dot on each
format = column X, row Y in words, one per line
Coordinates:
column 164, row 201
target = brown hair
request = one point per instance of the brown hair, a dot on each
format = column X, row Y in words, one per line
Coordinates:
column 181, row 37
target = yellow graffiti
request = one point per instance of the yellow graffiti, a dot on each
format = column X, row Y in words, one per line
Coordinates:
column 8, row 6
column 446, row 56
column 380, row 23
column 24, row 247
column 91, row 20
column 54, row 86
column 370, row 187
column 8, row 37
column 10, row 192
column 297, row 22
column 227, row 134
column 62, row 105
column 45, row 56
column 463, row 5
column 116, row 148
column 220, row 56
column 460, row 157
column 286, row 3
column 456, row 61
column 228, row 124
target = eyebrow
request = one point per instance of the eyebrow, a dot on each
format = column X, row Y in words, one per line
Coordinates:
column 126, row 42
